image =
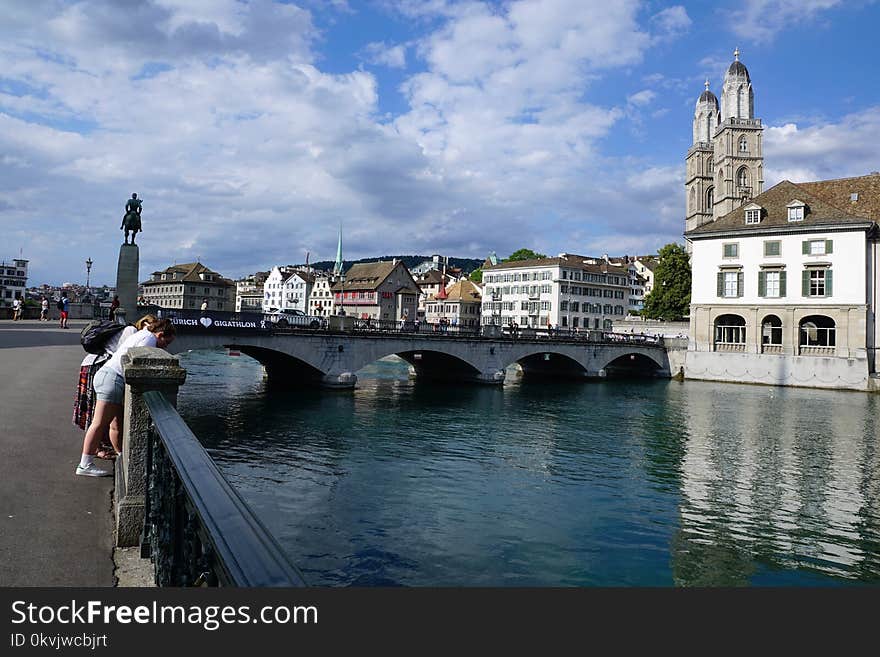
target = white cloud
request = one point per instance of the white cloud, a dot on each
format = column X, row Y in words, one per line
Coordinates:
column 761, row 20
column 671, row 23
column 641, row 98
column 822, row 151
column 381, row 53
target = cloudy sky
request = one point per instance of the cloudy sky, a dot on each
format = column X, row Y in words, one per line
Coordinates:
column 253, row 129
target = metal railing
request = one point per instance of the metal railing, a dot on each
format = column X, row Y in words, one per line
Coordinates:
column 197, row 530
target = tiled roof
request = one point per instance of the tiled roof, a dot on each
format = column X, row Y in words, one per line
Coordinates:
column 191, row 274
column 462, row 291
column 370, row 275
column 828, row 203
column 568, row 260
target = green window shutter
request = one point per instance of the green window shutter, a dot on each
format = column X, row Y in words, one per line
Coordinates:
column 829, row 246
column 828, row 281
column 782, row 283
column 721, row 284
column 739, row 284
column 805, row 282
column 762, row 284
column 805, row 247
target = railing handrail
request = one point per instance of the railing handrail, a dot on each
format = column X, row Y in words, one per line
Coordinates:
column 244, row 547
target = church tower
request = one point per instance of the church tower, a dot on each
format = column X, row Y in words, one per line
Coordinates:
column 738, row 143
column 725, row 164
column 699, row 179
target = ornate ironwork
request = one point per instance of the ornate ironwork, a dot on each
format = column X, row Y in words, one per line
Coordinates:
column 197, row 529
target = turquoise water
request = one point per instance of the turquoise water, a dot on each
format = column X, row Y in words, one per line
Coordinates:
column 617, row 483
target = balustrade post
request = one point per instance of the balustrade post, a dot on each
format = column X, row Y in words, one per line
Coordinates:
column 146, row 368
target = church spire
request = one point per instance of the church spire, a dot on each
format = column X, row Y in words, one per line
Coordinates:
column 337, row 267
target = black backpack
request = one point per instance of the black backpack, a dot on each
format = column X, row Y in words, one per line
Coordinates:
column 97, row 333
column 60, row 304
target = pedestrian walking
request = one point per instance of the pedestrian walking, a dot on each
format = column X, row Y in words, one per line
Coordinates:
column 113, row 307
column 44, row 310
column 204, row 306
column 16, row 309
column 64, row 308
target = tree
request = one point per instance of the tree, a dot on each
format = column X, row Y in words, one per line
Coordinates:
column 670, row 300
column 525, row 254
column 476, row 275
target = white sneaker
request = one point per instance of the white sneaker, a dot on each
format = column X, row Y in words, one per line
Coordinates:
column 92, row 470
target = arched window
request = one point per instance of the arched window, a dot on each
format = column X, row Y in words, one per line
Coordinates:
column 817, row 334
column 742, row 178
column 710, row 198
column 743, row 145
column 730, row 333
column 709, row 166
column 693, row 205
column 771, row 332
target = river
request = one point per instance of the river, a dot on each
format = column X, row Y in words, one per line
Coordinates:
column 611, row 483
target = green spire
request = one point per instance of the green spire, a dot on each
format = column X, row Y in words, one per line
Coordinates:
column 337, row 268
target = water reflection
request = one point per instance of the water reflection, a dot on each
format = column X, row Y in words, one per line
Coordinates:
column 572, row 484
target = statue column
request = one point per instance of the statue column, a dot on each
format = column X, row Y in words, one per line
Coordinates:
column 127, row 282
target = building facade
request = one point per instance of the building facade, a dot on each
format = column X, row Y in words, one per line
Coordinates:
column 377, row 290
column 569, row 291
column 187, row 286
column 13, row 280
column 459, row 305
column 249, row 293
column 321, row 297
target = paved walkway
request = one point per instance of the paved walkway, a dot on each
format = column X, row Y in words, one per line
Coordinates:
column 55, row 527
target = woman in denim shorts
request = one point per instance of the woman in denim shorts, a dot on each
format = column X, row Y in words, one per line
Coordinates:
column 109, row 385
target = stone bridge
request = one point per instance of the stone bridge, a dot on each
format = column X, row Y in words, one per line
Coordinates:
column 332, row 358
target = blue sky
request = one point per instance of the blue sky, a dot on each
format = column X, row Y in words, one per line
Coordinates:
column 253, row 129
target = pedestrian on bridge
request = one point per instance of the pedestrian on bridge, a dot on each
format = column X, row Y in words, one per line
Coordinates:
column 109, row 385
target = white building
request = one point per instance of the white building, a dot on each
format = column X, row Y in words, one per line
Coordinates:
column 321, row 297
column 13, row 280
column 460, row 305
column 249, row 293
column 569, row 291
column 287, row 288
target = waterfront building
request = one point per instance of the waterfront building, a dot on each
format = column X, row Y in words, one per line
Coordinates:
column 460, row 304
column 287, row 288
column 13, row 280
column 430, row 283
column 321, row 296
column 785, row 287
column 637, row 283
column 645, row 266
column 569, row 291
column 249, row 293
column 187, row 286
column 382, row 290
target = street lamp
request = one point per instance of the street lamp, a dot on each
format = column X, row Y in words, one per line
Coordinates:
column 88, row 273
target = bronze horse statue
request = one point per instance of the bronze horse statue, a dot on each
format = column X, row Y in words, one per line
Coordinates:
column 131, row 222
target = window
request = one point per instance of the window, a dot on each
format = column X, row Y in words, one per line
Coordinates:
column 730, row 250
column 743, row 145
column 742, row 177
column 796, row 213
column 817, row 247
column 771, row 331
column 817, row 283
column 730, row 284
column 753, row 216
column 816, row 331
column 773, row 248
column 730, row 330
column 771, row 283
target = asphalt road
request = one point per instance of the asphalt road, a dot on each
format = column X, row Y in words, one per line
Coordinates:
column 55, row 527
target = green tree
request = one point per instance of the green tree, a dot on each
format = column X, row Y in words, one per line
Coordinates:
column 670, row 300
column 477, row 275
column 525, row 254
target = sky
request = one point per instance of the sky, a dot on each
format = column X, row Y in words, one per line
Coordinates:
column 254, row 130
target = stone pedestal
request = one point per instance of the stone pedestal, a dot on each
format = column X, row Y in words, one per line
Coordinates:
column 146, row 368
column 127, row 279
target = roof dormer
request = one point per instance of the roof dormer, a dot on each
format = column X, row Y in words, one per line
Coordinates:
column 796, row 210
column 754, row 214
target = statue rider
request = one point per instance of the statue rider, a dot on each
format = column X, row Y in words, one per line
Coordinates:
column 131, row 222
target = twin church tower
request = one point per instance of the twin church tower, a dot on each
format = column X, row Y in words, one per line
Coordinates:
column 725, row 164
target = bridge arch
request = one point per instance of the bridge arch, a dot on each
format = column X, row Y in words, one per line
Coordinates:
column 635, row 364
column 550, row 364
column 428, row 364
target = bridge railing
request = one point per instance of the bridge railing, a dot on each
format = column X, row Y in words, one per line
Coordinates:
column 195, row 528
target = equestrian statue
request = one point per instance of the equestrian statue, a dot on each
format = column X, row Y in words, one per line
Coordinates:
column 131, row 222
